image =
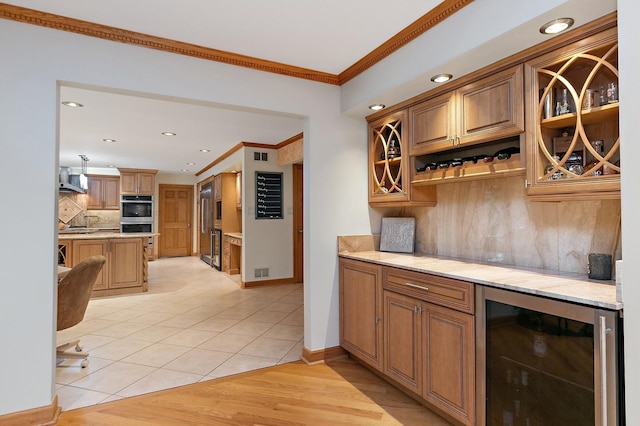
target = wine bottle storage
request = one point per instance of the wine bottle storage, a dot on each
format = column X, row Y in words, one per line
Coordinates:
column 531, row 387
column 576, row 143
column 503, row 157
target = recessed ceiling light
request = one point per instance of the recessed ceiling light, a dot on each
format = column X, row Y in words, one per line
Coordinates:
column 111, row 165
column 205, row 150
column 168, row 133
column 72, row 104
column 184, row 170
column 377, row 107
column 109, row 140
column 191, row 164
column 556, row 26
column 441, row 78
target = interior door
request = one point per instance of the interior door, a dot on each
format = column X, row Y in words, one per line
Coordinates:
column 175, row 217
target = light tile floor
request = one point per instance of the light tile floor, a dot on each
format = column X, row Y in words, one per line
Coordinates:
column 195, row 323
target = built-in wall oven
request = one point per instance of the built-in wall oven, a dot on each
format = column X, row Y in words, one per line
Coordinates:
column 136, row 214
column 136, row 208
column 547, row 362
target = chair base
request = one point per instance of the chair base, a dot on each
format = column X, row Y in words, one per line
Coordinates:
column 62, row 354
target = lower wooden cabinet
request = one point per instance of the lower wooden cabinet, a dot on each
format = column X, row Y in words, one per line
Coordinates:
column 361, row 310
column 231, row 254
column 123, row 271
column 448, row 357
column 427, row 349
column 403, row 341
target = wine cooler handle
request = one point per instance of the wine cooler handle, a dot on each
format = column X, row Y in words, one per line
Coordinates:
column 603, row 370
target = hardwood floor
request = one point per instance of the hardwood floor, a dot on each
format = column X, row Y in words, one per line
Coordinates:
column 341, row 392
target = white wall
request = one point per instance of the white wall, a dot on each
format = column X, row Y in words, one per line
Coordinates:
column 42, row 57
column 267, row 243
column 629, row 64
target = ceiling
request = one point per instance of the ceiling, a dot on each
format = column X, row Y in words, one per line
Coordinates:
column 332, row 36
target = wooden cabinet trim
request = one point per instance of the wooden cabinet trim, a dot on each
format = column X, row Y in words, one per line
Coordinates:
column 455, row 294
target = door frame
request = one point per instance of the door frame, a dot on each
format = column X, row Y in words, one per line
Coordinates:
column 298, row 224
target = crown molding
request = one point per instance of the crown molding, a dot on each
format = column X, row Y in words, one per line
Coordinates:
column 416, row 29
column 58, row 22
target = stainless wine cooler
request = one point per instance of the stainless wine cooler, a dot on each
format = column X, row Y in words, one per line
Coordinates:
column 547, row 362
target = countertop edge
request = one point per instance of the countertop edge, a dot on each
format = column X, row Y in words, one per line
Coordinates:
column 566, row 287
column 106, row 235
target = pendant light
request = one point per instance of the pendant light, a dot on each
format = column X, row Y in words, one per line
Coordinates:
column 84, row 183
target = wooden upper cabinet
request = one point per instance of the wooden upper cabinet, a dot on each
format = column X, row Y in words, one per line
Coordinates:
column 484, row 110
column 434, row 124
column 103, row 193
column 574, row 146
column 137, row 181
column 217, row 187
column 389, row 177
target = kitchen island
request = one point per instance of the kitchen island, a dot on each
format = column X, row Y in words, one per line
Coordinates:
column 127, row 254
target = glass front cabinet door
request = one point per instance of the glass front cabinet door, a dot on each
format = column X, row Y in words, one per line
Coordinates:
column 389, row 177
column 573, row 126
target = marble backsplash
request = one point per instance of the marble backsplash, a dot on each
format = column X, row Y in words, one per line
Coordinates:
column 493, row 221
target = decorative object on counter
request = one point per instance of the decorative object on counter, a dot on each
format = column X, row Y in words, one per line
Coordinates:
column 398, row 234
column 599, row 266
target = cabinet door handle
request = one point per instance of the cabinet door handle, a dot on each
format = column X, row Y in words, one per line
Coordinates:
column 378, row 319
column 417, row 286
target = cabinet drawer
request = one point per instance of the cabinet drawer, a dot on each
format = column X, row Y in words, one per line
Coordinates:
column 442, row 291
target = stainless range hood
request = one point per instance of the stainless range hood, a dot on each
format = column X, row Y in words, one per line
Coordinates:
column 69, row 183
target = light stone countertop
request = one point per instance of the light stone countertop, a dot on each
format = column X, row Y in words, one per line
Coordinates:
column 575, row 288
column 101, row 235
column 234, row 234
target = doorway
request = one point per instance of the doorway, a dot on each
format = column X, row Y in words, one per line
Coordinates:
column 175, row 211
column 298, row 224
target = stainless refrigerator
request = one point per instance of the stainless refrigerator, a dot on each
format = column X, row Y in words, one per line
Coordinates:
column 206, row 223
